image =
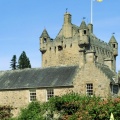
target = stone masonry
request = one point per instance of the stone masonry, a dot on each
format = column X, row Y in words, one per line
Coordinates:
column 74, row 59
column 65, row 48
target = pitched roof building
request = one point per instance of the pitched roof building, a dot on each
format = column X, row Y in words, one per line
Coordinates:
column 76, row 60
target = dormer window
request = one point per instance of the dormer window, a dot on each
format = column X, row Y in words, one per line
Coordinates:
column 44, row 41
column 84, row 32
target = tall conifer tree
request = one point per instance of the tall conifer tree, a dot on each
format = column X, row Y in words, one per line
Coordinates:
column 23, row 61
column 13, row 62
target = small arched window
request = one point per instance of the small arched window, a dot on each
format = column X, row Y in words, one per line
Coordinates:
column 44, row 40
column 113, row 45
column 84, row 32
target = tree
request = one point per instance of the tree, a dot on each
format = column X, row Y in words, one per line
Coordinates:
column 13, row 62
column 23, row 61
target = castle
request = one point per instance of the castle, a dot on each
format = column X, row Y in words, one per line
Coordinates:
column 75, row 61
column 75, row 44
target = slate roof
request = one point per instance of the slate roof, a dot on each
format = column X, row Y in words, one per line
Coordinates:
column 37, row 78
column 83, row 25
column 44, row 34
column 112, row 40
column 75, row 27
column 105, row 69
column 99, row 43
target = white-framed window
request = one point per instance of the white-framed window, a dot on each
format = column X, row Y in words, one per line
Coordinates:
column 50, row 93
column 32, row 95
column 89, row 89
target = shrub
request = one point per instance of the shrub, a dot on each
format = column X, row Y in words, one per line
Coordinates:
column 32, row 112
column 72, row 106
column 5, row 112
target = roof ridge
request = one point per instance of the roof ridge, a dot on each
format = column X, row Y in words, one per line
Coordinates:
column 106, row 71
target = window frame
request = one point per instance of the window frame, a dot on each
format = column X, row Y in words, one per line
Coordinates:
column 32, row 95
column 89, row 89
column 49, row 93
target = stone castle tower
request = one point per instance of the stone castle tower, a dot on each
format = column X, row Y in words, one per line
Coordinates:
column 75, row 61
column 77, row 45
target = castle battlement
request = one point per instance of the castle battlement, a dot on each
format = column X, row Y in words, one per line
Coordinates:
column 71, row 39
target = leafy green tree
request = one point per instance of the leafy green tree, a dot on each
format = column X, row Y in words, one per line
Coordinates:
column 23, row 61
column 13, row 62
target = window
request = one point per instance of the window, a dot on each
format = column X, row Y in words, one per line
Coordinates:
column 50, row 93
column 32, row 95
column 84, row 31
column 60, row 48
column 44, row 41
column 113, row 45
column 89, row 89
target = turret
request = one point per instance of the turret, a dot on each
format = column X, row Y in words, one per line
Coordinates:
column 84, row 35
column 67, row 18
column 67, row 26
column 90, row 28
column 44, row 39
column 114, row 45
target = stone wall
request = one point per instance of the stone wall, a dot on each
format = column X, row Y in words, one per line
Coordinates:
column 88, row 73
column 69, row 52
column 69, row 55
column 91, row 74
column 21, row 98
column 69, row 39
column 15, row 98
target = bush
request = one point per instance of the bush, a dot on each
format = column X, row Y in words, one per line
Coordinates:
column 5, row 112
column 32, row 112
column 72, row 106
column 67, row 103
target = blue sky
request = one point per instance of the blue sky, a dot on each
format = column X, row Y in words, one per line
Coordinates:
column 22, row 22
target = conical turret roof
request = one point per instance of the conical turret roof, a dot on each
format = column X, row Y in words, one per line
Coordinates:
column 45, row 34
column 112, row 39
column 83, row 25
